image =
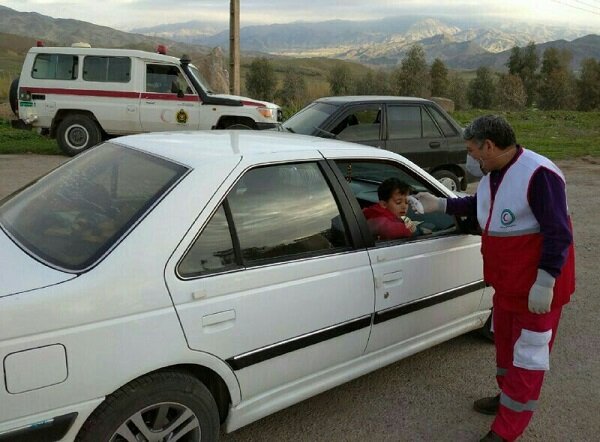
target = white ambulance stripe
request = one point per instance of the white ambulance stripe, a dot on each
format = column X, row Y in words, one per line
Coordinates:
column 514, row 232
column 513, row 405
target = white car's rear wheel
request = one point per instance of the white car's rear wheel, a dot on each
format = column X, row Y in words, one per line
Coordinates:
column 159, row 407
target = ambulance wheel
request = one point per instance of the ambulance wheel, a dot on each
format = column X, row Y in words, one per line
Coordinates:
column 77, row 133
column 13, row 95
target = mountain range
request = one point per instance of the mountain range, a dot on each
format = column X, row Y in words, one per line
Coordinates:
column 378, row 42
column 374, row 42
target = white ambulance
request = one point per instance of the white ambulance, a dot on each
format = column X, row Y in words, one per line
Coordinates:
column 82, row 95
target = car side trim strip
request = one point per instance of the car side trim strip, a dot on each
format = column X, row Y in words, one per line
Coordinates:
column 404, row 309
column 271, row 351
column 48, row 430
column 259, row 355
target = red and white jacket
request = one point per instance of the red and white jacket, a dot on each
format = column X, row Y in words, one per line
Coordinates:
column 511, row 241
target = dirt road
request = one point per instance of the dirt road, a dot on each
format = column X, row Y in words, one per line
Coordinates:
column 428, row 397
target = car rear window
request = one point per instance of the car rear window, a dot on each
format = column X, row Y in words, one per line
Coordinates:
column 73, row 216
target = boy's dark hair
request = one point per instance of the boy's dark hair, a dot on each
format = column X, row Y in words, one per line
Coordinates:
column 389, row 186
column 491, row 127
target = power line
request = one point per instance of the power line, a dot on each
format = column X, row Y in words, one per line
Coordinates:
column 587, row 4
column 576, row 7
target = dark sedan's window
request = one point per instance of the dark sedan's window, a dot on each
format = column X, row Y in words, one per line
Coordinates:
column 310, row 118
column 71, row 217
column 404, row 122
column 286, row 211
column 447, row 128
column 361, row 125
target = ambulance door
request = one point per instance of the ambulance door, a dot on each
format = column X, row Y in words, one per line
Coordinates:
column 169, row 101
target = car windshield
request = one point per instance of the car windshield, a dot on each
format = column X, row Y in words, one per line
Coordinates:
column 309, row 118
column 199, row 78
column 74, row 215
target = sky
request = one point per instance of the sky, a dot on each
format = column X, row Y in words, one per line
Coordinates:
column 130, row 14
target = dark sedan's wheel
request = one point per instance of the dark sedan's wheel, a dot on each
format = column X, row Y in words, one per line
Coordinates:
column 448, row 179
column 160, row 407
column 77, row 133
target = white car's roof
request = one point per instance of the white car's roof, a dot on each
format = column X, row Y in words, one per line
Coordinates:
column 196, row 148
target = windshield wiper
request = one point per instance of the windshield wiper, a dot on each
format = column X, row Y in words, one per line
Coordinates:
column 289, row 129
column 329, row 134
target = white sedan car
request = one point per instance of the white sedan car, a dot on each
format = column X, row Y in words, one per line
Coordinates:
column 160, row 285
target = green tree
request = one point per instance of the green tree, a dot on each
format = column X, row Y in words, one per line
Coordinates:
column 439, row 78
column 588, row 85
column 412, row 78
column 557, row 82
column 457, row 91
column 481, row 89
column 510, row 92
column 293, row 90
column 340, row 80
column 373, row 83
column 260, row 79
column 524, row 63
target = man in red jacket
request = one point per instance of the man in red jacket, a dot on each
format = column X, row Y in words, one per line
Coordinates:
column 528, row 258
column 387, row 219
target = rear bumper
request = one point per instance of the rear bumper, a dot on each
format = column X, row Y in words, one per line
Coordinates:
column 20, row 124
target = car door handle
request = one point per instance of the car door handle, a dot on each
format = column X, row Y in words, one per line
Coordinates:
column 434, row 144
column 218, row 318
column 150, row 102
column 392, row 276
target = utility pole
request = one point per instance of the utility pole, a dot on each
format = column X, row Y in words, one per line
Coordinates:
column 234, row 47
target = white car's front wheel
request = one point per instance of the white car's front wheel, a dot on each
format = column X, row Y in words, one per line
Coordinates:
column 159, row 407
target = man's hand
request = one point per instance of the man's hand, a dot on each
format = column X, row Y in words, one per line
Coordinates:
column 409, row 224
column 431, row 203
column 541, row 293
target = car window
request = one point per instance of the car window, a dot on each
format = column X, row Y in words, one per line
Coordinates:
column 404, row 122
column 107, row 69
column 166, row 79
column 55, row 67
column 71, row 217
column 359, row 125
column 286, row 211
column 307, row 120
column 212, row 251
column 364, row 178
column 430, row 130
column 447, row 128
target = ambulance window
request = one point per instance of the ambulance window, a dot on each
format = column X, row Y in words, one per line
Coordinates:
column 107, row 69
column 55, row 67
column 166, row 79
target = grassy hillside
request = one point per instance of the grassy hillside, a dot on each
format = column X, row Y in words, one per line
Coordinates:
column 556, row 134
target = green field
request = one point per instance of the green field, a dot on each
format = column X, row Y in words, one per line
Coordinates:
column 556, row 134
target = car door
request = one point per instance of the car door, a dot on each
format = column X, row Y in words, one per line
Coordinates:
column 412, row 133
column 168, row 101
column 357, row 124
column 273, row 278
column 427, row 285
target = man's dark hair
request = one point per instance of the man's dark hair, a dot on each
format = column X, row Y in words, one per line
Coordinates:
column 389, row 186
column 491, row 127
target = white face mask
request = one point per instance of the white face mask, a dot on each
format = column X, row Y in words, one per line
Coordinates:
column 474, row 167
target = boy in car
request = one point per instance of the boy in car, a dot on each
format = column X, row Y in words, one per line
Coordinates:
column 387, row 218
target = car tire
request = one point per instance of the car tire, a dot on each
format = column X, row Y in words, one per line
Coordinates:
column 448, row 179
column 13, row 96
column 486, row 330
column 76, row 133
column 171, row 395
